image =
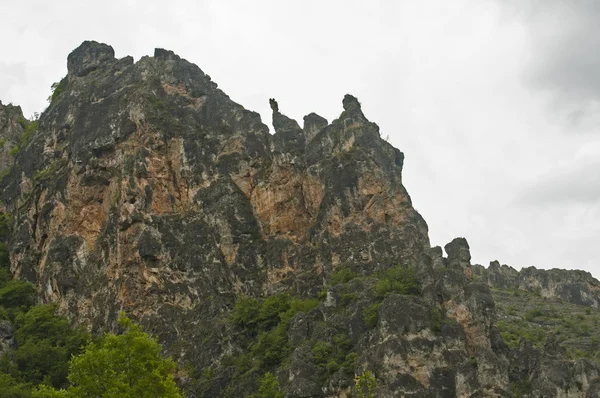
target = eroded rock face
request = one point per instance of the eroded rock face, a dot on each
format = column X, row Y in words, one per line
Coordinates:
column 7, row 338
column 147, row 189
column 574, row 286
column 12, row 124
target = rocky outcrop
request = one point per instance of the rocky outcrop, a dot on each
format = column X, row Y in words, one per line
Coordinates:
column 12, row 124
column 7, row 337
column 145, row 188
column 573, row 286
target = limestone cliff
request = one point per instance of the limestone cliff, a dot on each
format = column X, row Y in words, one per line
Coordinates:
column 145, row 188
column 573, row 286
column 12, row 125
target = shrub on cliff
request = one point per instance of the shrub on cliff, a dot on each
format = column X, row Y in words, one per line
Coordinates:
column 401, row 280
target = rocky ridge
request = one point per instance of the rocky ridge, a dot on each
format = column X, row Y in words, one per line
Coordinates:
column 577, row 287
column 12, row 125
column 145, row 188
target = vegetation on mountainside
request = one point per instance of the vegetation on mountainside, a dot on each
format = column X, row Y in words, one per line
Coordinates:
column 57, row 89
column 28, row 129
column 262, row 326
column 529, row 316
column 365, row 384
column 53, row 359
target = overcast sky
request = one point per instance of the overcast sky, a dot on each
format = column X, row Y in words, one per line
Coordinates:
column 495, row 103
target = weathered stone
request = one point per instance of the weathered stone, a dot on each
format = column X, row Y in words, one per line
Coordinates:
column 12, row 124
column 7, row 340
column 147, row 189
column 577, row 287
column 89, row 56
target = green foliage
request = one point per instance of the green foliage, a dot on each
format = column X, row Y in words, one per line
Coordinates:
column 17, row 296
column 343, row 275
column 246, row 311
column 401, row 280
column 44, row 391
column 14, row 150
column 4, row 172
column 331, row 357
column 2, row 142
column 521, row 389
column 473, row 361
column 347, row 298
column 269, row 387
column 371, row 315
column 271, row 308
column 322, row 294
column 513, row 332
column 5, row 226
column 271, row 347
column 25, row 137
column 57, row 89
column 532, row 314
column 5, row 274
column 125, row 365
column 46, row 343
column 11, row 387
column 267, row 319
column 365, row 384
column 436, row 320
column 531, row 317
column 49, row 172
column 23, row 122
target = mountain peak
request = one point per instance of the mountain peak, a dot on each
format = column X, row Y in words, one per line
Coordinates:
column 88, row 57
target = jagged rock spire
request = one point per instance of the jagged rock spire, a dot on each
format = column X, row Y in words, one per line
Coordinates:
column 288, row 137
column 313, row 123
column 274, row 105
column 88, row 57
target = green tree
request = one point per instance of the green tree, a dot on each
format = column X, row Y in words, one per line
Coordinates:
column 125, row 365
column 10, row 387
column 17, row 296
column 365, row 384
column 45, row 344
column 269, row 387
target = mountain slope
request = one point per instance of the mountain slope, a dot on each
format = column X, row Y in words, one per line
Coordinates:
column 145, row 188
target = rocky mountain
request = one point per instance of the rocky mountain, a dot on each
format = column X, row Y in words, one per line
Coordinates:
column 577, row 287
column 12, row 126
column 145, row 188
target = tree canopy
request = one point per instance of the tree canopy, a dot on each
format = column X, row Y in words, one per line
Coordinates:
column 124, row 365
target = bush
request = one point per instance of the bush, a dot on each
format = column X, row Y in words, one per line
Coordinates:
column 17, row 296
column 45, row 344
column 365, row 384
column 57, row 89
column 436, row 320
column 401, row 280
column 269, row 387
column 532, row 314
column 330, row 358
column 11, row 387
column 5, row 226
column 25, row 137
column 5, row 274
column 343, row 275
column 371, row 315
column 269, row 319
column 246, row 312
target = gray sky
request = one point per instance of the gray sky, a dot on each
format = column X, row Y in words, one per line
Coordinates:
column 495, row 103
